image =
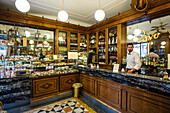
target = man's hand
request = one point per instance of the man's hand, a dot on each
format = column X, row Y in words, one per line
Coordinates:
column 129, row 71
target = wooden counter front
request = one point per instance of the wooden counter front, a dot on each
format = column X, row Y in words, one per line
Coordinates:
column 124, row 98
column 48, row 86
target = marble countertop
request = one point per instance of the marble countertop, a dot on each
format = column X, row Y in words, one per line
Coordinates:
column 133, row 75
column 144, row 82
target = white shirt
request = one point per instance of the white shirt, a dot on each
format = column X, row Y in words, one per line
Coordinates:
column 133, row 61
column 152, row 54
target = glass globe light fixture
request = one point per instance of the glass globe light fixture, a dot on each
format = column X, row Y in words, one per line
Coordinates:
column 130, row 37
column 63, row 15
column 163, row 43
column 137, row 32
column 99, row 15
column 31, row 41
column 22, row 5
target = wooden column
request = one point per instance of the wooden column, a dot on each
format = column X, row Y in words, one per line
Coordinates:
column 121, row 42
column 167, row 47
column 68, row 41
column 87, row 42
column 56, row 42
column 78, row 42
column 106, row 46
column 97, row 41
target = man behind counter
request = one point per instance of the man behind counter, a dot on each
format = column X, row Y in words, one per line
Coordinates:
column 133, row 60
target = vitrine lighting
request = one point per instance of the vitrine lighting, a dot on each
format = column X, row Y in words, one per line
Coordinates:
column 130, row 37
column 163, row 43
column 31, row 41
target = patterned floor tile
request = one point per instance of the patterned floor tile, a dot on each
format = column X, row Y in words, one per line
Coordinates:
column 71, row 105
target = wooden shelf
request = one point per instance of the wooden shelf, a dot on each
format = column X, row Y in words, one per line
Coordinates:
column 92, row 47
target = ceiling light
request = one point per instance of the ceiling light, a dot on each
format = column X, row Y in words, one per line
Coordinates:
column 137, row 32
column 130, row 37
column 27, row 33
column 99, row 14
column 63, row 15
column 22, row 5
column 163, row 43
column 31, row 41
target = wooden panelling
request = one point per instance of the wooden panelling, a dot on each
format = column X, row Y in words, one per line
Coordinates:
column 87, row 42
column 124, row 98
column 121, row 43
column 67, row 81
column 139, row 103
column 97, row 45
column 78, row 42
column 88, row 83
column 158, row 8
column 68, row 41
column 35, row 21
column 45, row 86
column 109, row 93
column 56, row 41
column 106, row 46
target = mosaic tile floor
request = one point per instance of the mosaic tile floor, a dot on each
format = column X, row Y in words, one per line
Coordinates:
column 71, row 105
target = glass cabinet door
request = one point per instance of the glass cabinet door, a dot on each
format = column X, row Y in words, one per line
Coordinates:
column 73, row 42
column 62, row 44
column 83, row 43
column 101, row 47
column 112, row 45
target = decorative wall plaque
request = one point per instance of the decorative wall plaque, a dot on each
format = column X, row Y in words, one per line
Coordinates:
column 140, row 5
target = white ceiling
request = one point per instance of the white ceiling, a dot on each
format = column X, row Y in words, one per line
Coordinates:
column 80, row 11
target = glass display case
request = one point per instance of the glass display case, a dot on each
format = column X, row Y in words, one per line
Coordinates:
column 112, row 45
column 159, row 46
column 101, row 47
column 73, row 42
column 92, row 43
column 18, row 45
column 83, row 43
column 62, row 42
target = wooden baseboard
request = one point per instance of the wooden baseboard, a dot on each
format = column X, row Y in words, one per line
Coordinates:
column 102, row 102
column 49, row 96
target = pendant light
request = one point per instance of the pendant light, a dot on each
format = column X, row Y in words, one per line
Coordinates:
column 99, row 14
column 137, row 31
column 62, row 15
column 130, row 36
column 22, row 5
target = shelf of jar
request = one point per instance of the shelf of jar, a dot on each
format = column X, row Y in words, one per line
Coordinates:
column 113, row 44
column 62, row 45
